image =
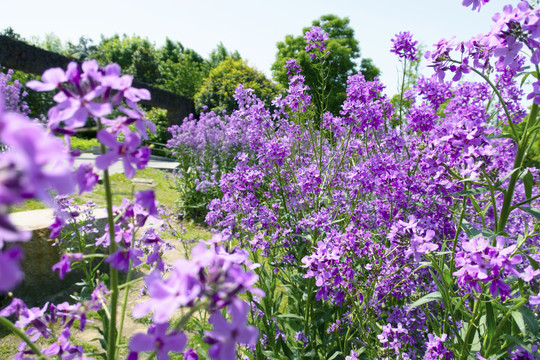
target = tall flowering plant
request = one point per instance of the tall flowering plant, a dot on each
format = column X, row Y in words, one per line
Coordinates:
column 397, row 233
column 39, row 164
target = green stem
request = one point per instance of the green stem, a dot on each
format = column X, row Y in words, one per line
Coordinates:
column 113, row 281
column 501, row 325
column 113, row 284
column 124, row 304
column 470, row 330
column 21, row 335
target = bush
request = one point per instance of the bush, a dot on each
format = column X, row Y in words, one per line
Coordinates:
column 217, row 91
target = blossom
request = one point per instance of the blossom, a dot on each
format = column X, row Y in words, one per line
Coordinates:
column 121, row 259
column 476, row 4
column 315, row 38
column 157, row 339
column 404, row 46
column 10, row 270
column 64, row 265
column 224, row 336
column 35, row 163
column 86, row 177
column 129, row 150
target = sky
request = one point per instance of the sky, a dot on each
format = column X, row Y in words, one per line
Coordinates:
column 252, row 27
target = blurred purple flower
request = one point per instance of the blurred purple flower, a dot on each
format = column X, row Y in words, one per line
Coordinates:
column 129, row 151
column 159, row 341
column 224, row 336
column 10, row 270
column 64, row 265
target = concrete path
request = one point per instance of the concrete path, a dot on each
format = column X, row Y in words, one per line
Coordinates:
column 156, row 162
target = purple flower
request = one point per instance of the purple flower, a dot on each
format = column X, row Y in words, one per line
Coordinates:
column 190, row 354
column 159, row 341
column 86, row 177
column 129, row 151
column 166, row 296
column 529, row 274
column 435, row 349
column 404, row 46
column 121, row 258
column 475, row 3
column 10, row 270
column 64, row 265
column 147, row 200
column 52, row 79
column 63, row 348
column 534, row 300
column 224, row 336
column 35, row 163
column 315, row 39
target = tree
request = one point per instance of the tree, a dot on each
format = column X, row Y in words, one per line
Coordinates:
column 217, row 92
column 220, row 54
column 341, row 62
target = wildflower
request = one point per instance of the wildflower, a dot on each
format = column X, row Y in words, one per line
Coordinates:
column 224, row 336
column 404, row 46
column 159, row 341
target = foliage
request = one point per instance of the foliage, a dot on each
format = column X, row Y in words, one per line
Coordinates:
column 344, row 53
column 217, row 91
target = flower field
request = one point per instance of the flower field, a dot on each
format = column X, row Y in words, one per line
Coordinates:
column 398, row 228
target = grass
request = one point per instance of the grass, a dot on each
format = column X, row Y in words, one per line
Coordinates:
column 122, row 188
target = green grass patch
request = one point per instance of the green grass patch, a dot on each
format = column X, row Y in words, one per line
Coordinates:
column 85, row 145
column 125, row 188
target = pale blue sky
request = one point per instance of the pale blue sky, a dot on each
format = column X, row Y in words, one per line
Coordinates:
column 251, row 27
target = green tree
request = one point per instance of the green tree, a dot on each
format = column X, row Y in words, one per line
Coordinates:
column 135, row 55
column 218, row 88
column 182, row 70
column 220, row 54
column 341, row 62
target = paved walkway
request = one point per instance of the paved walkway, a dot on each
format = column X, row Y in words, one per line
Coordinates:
column 156, row 162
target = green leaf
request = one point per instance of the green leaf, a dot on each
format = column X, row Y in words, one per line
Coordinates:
column 434, row 296
column 530, row 319
column 528, row 182
column 490, row 320
column 334, row 355
column 533, row 262
column 285, row 348
column 292, row 316
column 520, row 321
column 470, row 230
column 525, row 76
column 533, row 211
column 475, row 191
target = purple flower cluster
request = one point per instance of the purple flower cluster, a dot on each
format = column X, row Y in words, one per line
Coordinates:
column 13, row 94
column 42, row 324
column 214, row 277
column 359, row 211
column 34, row 164
column 513, row 30
column 479, row 262
column 404, row 46
column 93, row 92
column 315, row 39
